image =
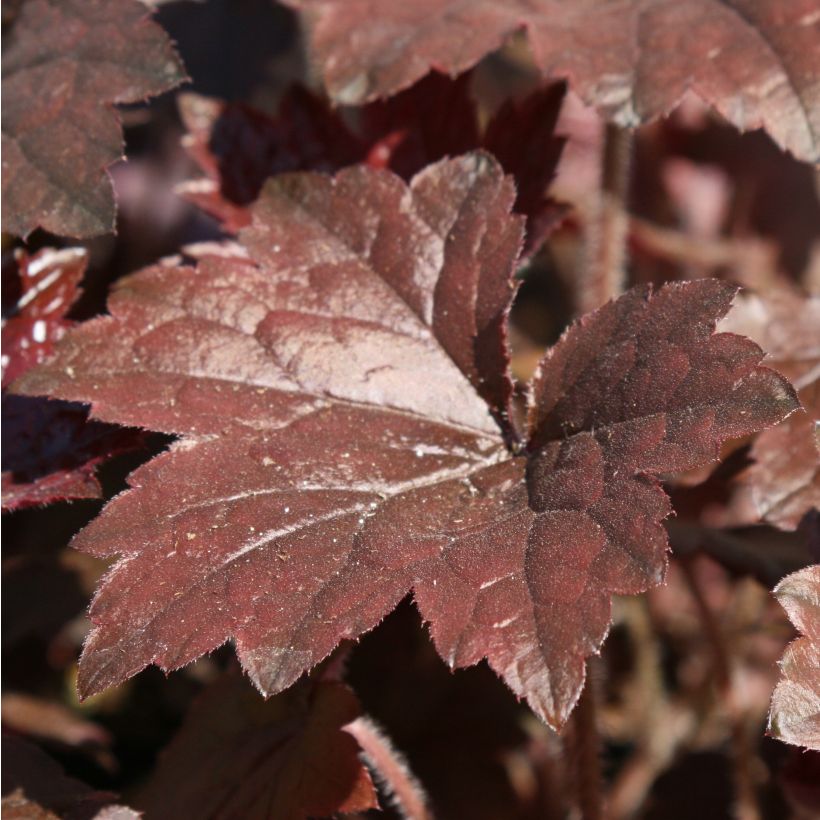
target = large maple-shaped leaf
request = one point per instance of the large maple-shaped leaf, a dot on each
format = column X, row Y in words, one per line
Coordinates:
column 795, row 712
column 239, row 756
column 755, row 61
column 65, row 64
column 342, row 404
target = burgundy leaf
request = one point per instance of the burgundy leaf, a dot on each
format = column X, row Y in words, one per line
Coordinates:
column 795, row 712
column 239, row 147
column 49, row 286
column 336, row 403
column 50, row 451
column 521, row 136
column 288, row 758
column 755, row 61
column 65, row 64
column 432, row 119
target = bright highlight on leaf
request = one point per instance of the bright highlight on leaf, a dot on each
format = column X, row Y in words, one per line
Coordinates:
column 345, row 437
column 795, row 712
column 66, row 63
column 755, row 61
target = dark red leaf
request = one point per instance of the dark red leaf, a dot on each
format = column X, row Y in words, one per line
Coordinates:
column 65, row 64
column 755, row 61
column 336, row 405
column 49, row 286
column 50, row 451
column 237, row 755
column 432, row 119
column 795, row 712
column 239, row 147
column 521, row 136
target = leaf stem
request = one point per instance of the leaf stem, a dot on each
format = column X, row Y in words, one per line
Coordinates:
column 390, row 769
column 742, row 756
column 604, row 275
column 586, row 750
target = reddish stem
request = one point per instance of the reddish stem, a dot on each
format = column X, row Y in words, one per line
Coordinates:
column 390, row 769
column 604, row 276
column 586, row 748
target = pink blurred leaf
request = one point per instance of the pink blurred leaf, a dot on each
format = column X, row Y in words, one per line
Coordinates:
column 795, row 710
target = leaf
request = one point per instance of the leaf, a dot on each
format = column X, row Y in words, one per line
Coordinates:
column 289, row 757
column 239, row 147
column 336, row 406
column 65, row 64
column 50, row 451
column 795, row 710
column 755, row 61
column 35, row 788
column 787, row 326
column 783, row 483
column 49, row 286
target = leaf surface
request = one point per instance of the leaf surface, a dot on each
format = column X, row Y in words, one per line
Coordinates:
column 755, row 61
column 342, row 403
column 65, row 64
column 239, row 756
column 795, row 711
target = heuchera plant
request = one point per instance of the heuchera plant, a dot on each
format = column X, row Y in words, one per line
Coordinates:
column 345, row 423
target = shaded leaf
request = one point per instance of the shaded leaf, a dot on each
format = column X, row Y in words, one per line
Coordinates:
column 434, row 118
column 345, row 438
column 795, row 711
column 755, row 61
column 237, row 755
column 239, row 147
column 65, row 64
column 35, row 788
column 50, row 451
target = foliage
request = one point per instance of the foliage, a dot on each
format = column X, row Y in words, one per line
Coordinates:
column 383, row 410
